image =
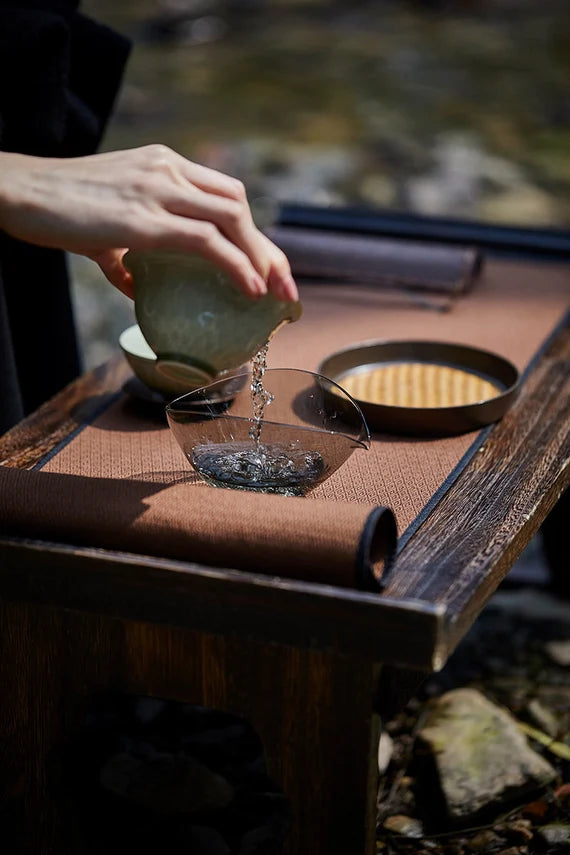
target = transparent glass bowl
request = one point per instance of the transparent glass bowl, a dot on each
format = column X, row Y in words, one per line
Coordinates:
column 309, row 428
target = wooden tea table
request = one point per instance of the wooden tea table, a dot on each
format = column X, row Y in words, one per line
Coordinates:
column 312, row 667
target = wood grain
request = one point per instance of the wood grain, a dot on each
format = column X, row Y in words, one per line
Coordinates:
column 181, row 594
column 312, row 710
column 440, row 581
column 38, row 434
column 471, row 539
column 300, row 661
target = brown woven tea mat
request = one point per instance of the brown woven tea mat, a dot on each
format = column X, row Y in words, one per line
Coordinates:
column 337, row 543
column 512, row 309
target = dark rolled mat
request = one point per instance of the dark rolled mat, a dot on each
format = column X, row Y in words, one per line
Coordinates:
column 392, row 262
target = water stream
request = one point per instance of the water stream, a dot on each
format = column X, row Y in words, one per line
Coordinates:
column 280, row 465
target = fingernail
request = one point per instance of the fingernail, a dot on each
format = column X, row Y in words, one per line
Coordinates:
column 260, row 284
column 283, row 286
column 290, row 288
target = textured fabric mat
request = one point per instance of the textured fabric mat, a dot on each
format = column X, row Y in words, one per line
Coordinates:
column 511, row 311
column 341, row 544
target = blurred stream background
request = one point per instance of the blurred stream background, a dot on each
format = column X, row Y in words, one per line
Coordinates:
column 455, row 108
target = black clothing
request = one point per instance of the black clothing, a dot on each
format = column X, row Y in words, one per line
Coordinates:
column 59, row 74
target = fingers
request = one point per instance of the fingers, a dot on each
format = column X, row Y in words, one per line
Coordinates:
column 155, row 198
column 198, row 192
column 159, row 159
column 111, row 263
column 234, row 221
column 204, row 238
column 280, row 280
column 212, row 181
column 231, row 217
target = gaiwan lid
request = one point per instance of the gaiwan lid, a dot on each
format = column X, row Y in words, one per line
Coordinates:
column 195, row 318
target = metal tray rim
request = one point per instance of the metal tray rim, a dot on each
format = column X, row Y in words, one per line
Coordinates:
column 452, row 419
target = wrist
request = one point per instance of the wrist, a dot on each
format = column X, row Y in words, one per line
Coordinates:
column 16, row 190
column 8, row 163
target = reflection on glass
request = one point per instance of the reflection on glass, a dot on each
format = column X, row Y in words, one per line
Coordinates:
column 310, row 428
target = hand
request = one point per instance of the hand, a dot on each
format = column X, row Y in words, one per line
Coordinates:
column 143, row 198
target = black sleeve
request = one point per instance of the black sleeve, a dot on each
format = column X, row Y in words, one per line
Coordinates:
column 11, row 406
column 59, row 75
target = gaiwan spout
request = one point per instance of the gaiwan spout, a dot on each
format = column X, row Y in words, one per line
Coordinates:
column 195, row 318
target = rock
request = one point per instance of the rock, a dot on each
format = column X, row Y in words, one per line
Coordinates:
column 555, row 834
column 258, row 841
column 517, row 831
column 562, row 795
column 541, row 717
column 402, row 801
column 174, row 20
column 378, row 190
column 521, row 204
column 484, row 841
column 385, row 751
column 166, row 783
column 481, row 758
column 407, row 826
column 559, row 651
column 536, row 811
column 208, row 841
column 147, row 709
column 534, row 605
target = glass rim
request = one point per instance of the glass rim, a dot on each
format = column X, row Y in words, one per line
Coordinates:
column 363, row 437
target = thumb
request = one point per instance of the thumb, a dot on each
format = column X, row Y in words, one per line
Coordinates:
column 111, row 263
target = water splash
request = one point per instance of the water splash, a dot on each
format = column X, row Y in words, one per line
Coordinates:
column 275, row 468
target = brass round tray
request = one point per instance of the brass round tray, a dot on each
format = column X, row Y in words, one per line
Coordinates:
column 424, row 388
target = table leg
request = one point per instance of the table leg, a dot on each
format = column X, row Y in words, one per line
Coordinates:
column 314, row 713
column 43, row 689
column 312, row 710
